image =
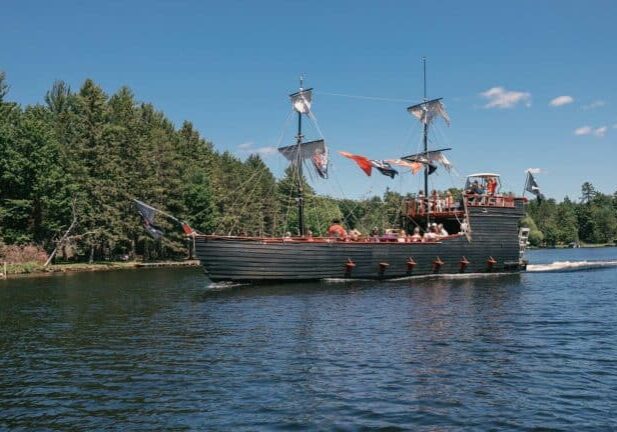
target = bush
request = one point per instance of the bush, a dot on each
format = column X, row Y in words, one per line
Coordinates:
column 16, row 254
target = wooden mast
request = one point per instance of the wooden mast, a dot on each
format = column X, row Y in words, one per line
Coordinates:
column 299, row 162
column 426, row 166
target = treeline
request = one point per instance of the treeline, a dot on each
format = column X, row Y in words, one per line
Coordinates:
column 592, row 219
column 83, row 155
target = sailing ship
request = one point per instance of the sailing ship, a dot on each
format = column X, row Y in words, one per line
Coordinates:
column 486, row 225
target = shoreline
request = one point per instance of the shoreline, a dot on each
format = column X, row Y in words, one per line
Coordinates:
column 37, row 270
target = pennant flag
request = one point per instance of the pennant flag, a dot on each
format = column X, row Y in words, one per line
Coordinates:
column 424, row 161
column 384, row 167
column 532, row 186
column 363, row 162
column 415, row 167
column 301, row 101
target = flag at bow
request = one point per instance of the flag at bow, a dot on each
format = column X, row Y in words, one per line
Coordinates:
column 147, row 214
column 532, row 186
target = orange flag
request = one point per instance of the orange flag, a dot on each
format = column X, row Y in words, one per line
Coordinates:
column 414, row 166
column 363, row 162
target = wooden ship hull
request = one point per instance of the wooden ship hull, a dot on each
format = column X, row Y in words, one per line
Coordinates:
column 491, row 245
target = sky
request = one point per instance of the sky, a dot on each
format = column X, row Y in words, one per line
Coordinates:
column 527, row 84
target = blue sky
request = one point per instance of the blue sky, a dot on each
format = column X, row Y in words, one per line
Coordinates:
column 229, row 66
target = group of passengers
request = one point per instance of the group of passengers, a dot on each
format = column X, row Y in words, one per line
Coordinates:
column 435, row 232
column 435, row 203
column 489, row 187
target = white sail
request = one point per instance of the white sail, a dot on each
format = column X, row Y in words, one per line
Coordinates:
column 427, row 111
column 304, row 150
column 301, row 101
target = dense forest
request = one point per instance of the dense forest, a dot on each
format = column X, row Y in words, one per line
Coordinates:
column 83, row 155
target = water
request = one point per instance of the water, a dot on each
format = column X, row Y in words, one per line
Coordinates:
column 163, row 350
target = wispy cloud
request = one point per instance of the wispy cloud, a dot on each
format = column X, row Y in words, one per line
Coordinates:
column 595, row 104
column 499, row 97
column 248, row 148
column 599, row 132
column 583, row 130
column 534, row 170
column 246, row 145
column 561, row 101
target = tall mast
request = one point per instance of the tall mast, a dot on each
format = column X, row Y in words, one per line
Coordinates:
column 425, row 140
column 299, row 161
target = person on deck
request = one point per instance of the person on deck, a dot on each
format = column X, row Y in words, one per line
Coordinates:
column 441, row 231
column 491, row 185
column 374, row 236
column 430, row 235
column 421, row 202
column 449, row 201
column 416, row 237
column 337, row 230
column 402, row 236
column 354, row 235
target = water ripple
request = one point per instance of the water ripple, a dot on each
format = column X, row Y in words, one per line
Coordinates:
column 162, row 350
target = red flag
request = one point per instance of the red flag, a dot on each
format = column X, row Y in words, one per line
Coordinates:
column 363, row 162
column 187, row 229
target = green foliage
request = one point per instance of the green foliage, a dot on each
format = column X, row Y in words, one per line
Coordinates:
column 85, row 154
column 593, row 220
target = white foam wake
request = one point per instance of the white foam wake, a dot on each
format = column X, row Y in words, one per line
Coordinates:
column 561, row 266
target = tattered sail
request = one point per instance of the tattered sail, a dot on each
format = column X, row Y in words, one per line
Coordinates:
column 427, row 111
column 431, row 157
column 301, row 101
column 316, row 151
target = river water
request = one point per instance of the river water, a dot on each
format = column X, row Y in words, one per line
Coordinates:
column 163, row 349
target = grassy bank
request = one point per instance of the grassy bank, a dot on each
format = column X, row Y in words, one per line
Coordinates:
column 34, row 268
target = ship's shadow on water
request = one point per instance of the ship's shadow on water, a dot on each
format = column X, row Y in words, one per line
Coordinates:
column 326, row 286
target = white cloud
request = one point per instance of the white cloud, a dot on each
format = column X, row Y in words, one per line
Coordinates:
column 600, row 132
column 534, row 170
column 588, row 130
column 584, row 130
column 594, row 104
column 246, row 145
column 561, row 100
column 264, row 150
column 247, row 148
column 499, row 97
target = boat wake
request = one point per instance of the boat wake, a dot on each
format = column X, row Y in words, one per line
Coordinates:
column 565, row 266
column 221, row 286
column 428, row 276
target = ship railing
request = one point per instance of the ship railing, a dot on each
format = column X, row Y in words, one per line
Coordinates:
column 447, row 206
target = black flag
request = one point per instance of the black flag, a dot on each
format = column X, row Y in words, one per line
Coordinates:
column 532, row 186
